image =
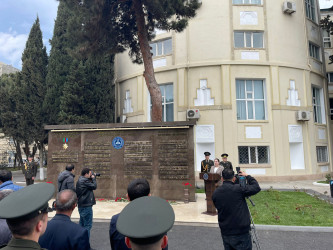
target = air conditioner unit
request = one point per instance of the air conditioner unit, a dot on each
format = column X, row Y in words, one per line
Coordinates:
column 192, row 114
column 289, row 7
column 302, row 115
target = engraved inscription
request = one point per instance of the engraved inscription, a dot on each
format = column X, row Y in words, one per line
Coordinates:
column 97, row 156
column 172, row 157
column 138, row 159
column 65, row 156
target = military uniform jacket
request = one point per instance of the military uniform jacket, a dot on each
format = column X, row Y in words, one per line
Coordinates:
column 206, row 165
column 30, row 169
column 17, row 244
column 226, row 164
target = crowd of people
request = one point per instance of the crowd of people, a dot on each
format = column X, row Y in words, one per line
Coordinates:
column 142, row 224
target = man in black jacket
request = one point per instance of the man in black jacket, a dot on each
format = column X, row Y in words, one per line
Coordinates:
column 233, row 213
column 86, row 199
column 66, row 179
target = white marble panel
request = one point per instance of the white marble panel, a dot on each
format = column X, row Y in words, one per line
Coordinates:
column 250, row 55
column 248, row 18
column 295, row 133
column 205, row 133
column 324, row 169
column 256, row 171
column 253, row 132
column 321, row 134
column 159, row 63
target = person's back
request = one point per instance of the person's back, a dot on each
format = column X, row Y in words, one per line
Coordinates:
column 5, row 234
column 61, row 232
column 66, row 179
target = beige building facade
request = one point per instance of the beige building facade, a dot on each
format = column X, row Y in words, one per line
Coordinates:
column 254, row 74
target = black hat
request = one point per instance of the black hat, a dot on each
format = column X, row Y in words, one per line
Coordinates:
column 30, row 156
column 224, row 155
column 146, row 220
column 207, row 154
column 27, row 202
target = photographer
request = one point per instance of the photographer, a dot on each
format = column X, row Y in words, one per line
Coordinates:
column 86, row 199
column 233, row 213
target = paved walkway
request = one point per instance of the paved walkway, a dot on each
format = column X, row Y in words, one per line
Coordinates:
column 193, row 212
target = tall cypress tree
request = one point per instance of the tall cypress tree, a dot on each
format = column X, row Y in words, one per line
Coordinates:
column 59, row 63
column 96, row 70
column 34, row 70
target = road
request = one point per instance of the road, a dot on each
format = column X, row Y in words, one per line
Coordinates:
column 200, row 238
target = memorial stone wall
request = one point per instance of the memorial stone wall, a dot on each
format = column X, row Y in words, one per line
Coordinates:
column 162, row 153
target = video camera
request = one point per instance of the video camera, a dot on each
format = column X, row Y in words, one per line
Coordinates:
column 240, row 179
column 97, row 174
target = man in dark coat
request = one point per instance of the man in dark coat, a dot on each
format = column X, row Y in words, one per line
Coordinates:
column 206, row 164
column 225, row 163
column 136, row 189
column 233, row 212
column 61, row 232
column 85, row 187
column 30, row 170
column 66, row 179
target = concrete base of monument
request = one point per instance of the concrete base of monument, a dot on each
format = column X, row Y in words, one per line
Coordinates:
column 184, row 212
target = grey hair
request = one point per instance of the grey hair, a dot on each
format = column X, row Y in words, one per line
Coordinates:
column 65, row 200
column 5, row 192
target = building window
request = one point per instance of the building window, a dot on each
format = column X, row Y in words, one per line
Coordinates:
column 250, row 100
column 331, row 108
column 127, row 103
column 248, row 39
column 322, row 154
column 253, row 154
column 310, row 7
column 318, row 105
column 326, row 39
column 314, row 51
column 330, row 77
column 256, row 2
column 167, row 102
column 161, row 48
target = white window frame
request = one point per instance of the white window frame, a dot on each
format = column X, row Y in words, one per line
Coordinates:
column 157, row 43
column 252, row 99
column 245, row 41
column 164, row 103
column 317, row 93
column 314, row 51
column 310, row 9
column 256, row 153
column 322, row 154
column 326, row 38
column 330, row 77
column 250, row 2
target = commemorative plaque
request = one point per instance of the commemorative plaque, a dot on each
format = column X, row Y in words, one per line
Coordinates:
column 162, row 153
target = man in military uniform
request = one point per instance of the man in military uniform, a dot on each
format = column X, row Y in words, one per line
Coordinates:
column 25, row 212
column 145, row 222
column 225, row 163
column 30, row 170
column 206, row 164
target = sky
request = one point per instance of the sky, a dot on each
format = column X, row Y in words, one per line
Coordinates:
column 16, row 20
column 18, row 16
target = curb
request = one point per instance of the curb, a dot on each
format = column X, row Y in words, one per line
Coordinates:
column 320, row 184
column 257, row 227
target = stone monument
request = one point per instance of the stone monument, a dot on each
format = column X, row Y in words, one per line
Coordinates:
column 163, row 153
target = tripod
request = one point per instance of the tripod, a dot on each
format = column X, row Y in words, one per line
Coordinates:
column 254, row 232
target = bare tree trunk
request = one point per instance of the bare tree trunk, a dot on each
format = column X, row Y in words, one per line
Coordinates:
column 18, row 155
column 153, row 88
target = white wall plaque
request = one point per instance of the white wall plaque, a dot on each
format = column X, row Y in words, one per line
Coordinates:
column 321, row 134
column 159, row 62
column 248, row 18
column 250, row 55
column 256, row 171
column 324, row 169
column 295, row 133
column 203, row 95
column 253, row 132
column 293, row 95
column 205, row 133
